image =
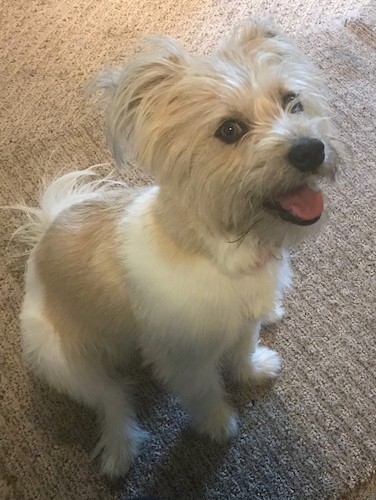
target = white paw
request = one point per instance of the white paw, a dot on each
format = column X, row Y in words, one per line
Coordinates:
column 266, row 364
column 274, row 315
column 116, row 455
column 263, row 365
column 220, row 426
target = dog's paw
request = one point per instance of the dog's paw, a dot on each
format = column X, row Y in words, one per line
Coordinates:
column 263, row 365
column 117, row 455
column 115, row 462
column 266, row 364
column 220, row 425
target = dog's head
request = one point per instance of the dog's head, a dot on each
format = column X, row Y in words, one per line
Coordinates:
column 240, row 137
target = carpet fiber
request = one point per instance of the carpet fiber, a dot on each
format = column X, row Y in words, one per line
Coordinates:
column 313, row 436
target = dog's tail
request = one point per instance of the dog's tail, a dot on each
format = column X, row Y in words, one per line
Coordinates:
column 60, row 194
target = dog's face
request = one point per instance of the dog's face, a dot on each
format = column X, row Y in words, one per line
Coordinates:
column 240, row 137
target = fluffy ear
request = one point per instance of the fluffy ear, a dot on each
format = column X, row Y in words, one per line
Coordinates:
column 248, row 35
column 129, row 94
column 256, row 28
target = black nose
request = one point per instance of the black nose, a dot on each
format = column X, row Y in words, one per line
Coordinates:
column 307, row 154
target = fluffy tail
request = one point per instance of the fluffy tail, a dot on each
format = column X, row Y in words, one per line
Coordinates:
column 60, row 194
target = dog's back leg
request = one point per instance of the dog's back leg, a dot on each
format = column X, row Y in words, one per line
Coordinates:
column 83, row 379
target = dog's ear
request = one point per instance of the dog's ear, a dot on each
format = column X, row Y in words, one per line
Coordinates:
column 256, row 29
column 247, row 36
column 130, row 94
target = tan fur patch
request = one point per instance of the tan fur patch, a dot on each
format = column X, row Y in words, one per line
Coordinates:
column 77, row 261
column 169, row 249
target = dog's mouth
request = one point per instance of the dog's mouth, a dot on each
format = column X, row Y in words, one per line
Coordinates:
column 302, row 206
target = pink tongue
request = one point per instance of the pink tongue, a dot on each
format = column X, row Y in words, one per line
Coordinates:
column 305, row 203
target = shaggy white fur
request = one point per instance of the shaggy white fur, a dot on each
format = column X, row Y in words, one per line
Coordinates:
column 184, row 272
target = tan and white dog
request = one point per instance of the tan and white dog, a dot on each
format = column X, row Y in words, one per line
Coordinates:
column 184, row 272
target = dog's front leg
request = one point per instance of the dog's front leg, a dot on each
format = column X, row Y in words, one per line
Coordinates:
column 193, row 377
column 251, row 363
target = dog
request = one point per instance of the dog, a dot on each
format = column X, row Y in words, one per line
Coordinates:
column 183, row 272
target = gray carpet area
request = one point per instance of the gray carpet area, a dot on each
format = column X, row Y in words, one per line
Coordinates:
column 314, row 435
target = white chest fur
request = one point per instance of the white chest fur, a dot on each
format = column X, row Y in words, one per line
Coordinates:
column 184, row 295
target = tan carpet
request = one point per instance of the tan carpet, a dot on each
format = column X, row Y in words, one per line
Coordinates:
column 314, row 436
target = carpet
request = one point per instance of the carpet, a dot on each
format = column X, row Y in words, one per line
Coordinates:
column 313, row 436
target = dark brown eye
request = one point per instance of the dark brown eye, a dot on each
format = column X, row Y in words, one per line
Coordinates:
column 231, row 131
column 297, row 107
column 291, row 103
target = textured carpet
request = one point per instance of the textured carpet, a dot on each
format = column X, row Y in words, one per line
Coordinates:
column 313, row 436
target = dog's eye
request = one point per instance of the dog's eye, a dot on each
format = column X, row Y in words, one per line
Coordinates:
column 296, row 107
column 231, row 131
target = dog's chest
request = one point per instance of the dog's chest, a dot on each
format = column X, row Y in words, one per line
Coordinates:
column 253, row 295
column 202, row 302
column 196, row 296
column 189, row 293
column 225, row 299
